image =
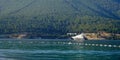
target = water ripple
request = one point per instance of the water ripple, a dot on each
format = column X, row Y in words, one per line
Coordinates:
column 60, row 51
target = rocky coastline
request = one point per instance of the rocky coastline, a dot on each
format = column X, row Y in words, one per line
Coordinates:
column 89, row 36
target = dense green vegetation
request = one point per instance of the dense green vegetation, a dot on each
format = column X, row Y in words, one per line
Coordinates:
column 58, row 17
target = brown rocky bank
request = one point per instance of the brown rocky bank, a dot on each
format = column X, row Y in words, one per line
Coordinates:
column 102, row 36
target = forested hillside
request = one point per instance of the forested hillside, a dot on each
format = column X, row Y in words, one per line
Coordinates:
column 59, row 16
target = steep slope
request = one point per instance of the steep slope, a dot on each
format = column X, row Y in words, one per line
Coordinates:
column 106, row 8
column 36, row 7
column 59, row 16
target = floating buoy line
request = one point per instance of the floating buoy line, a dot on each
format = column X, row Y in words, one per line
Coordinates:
column 67, row 43
column 82, row 44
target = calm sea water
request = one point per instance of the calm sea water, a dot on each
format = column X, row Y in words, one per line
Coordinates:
column 58, row 50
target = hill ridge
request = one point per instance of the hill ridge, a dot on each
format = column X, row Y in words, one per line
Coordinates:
column 59, row 16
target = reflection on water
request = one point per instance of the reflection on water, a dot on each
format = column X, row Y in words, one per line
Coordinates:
column 59, row 50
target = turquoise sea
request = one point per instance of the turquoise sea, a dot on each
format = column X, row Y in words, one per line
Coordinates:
column 58, row 49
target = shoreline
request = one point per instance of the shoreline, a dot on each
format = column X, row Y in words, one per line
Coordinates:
column 89, row 36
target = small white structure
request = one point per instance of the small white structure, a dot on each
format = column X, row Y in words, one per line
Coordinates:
column 80, row 37
column 71, row 34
